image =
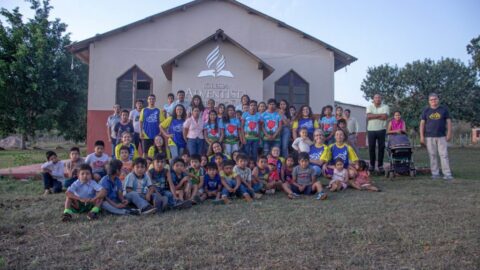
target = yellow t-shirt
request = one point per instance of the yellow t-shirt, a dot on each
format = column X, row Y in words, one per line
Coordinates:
column 133, row 153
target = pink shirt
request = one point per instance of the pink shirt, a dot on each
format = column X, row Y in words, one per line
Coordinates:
column 397, row 125
column 195, row 127
column 205, row 115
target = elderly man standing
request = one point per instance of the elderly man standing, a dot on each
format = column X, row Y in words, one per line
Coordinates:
column 435, row 132
column 377, row 115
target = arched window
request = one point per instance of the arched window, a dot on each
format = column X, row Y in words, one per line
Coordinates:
column 292, row 88
column 132, row 85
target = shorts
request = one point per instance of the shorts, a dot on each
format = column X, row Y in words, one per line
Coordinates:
column 307, row 191
column 82, row 207
column 344, row 185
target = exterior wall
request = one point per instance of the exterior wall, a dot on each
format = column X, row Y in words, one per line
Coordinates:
column 97, row 129
column 247, row 78
column 360, row 113
column 152, row 44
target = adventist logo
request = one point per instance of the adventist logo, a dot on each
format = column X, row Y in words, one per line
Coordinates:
column 215, row 64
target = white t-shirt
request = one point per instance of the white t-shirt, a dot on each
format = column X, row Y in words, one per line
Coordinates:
column 97, row 163
column 135, row 118
column 57, row 169
column 302, row 145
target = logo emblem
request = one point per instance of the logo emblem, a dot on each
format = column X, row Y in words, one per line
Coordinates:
column 215, row 64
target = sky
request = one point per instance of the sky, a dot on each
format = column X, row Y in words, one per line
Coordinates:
column 374, row 31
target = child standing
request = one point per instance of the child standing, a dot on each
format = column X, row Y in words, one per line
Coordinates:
column 213, row 129
column 230, row 182
column 149, row 124
column 339, row 178
column 72, row 166
column 84, row 195
column 250, row 136
column 212, row 184
column 304, row 179
column 244, row 176
column 97, row 160
column 328, row 124
column 302, row 143
column 114, row 201
column 125, row 125
column 138, row 188
column 232, row 130
column 53, row 174
column 172, row 128
column 134, row 117
column 362, row 180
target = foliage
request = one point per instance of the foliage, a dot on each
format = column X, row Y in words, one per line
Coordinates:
column 474, row 50
column 38, row 88
column 406, row 89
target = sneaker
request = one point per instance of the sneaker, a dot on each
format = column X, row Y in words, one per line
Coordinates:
column 218, row 201
column 47, row 192
column 270, row 191
column 448, row 178
column 66, row 217
column 92, row 215
column 321, row 196
column 371, row 169
column 257, row 196
column 296, row 195
column 226, row 200
column 134, row 212
column 435, row 177
column 182, row 205
column 197, row 199
column 148, row 210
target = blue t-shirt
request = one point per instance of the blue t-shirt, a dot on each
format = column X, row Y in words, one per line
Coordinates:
column 211, row 184
column 212, row 132
column 176, row 128
column 316, row 152
column 271, row 122
column 307, row 123
column 252, row 125
column 112, row 187
column 435, row 121
column 159, row 179
column 175, row 178
column 340, row 153
column 151, row 122
column 231, row 131
column 328, row 124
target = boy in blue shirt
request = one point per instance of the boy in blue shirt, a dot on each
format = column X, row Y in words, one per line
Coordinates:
column 114, row 201
column 84, row 195
column 139, row 188
column 149, row 124
column 212, row 183
column 271, row 127
column 250, row 135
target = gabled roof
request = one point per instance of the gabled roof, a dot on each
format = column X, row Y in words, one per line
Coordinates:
column 167, row 67
column 80, row 49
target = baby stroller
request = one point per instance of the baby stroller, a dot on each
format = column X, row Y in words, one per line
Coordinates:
column 400, row 156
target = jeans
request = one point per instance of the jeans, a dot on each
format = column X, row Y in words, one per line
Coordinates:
column 195, row 146
column 114, row 144
column 51, row 183
column 230, row 148
column 175, row 151
column 268, row 145
column 285, row 141
column 113, row 210
column 317, row 169
column 136, row 140
column 170, row 200
column 231, row 183
column 256, row 188
column 69, row 182
column 374, row 137
column 136, row 199
column 307, row 191
column 437, row 147
column 251, row 149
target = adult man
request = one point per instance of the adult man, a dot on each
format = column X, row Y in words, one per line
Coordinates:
column 149, row 124
column 180, row 100
column 135, row 118
column 377, row 115
column 271, row 126
column 435, row 132
column 352, row 126
column 111, row 122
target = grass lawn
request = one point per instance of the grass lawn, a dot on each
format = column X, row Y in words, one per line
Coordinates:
column 413, row 224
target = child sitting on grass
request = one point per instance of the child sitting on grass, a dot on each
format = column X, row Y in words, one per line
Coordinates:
column 218, row 159
column 161, row 179
column 287, row 177
column 114, row 201
column 230, row 182
column 275, row 157
column 127, row 164
column 302, row 143
column 127, row 142
column 138, row 188
column 260, row 174
column 72, row 166
column 180, row 179
column 52, row 173
column 97, row 160
column 157, row 147
column 244, row 176
column 362, row 180
column 339, row 178
column 273, row 182
column 212, row 184
column 196, row 173
column 304, row 179
column 84, row 195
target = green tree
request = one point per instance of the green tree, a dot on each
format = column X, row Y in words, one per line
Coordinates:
column 474, row 50
column 38, row 88
column 406, row 89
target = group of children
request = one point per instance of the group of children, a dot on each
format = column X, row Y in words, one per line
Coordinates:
column 193, row 153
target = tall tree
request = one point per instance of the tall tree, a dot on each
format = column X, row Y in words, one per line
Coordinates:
column 38, row 88
column 474, row 50
column 406, row 89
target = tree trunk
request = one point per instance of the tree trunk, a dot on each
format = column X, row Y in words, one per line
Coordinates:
column 24, row 140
